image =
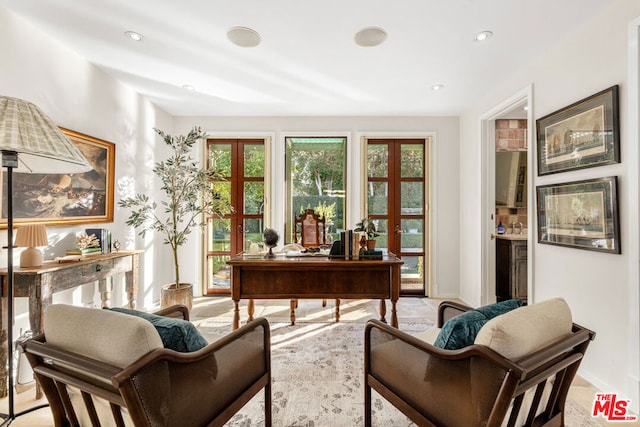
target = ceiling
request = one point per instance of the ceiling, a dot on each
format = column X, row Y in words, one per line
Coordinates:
column 307, row 63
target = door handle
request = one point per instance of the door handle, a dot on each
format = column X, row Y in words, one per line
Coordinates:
column 398, row 230
column 493, row 236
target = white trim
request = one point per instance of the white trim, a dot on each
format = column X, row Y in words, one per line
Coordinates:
column 351, row 166
column 633, row 200
column 487, row 136
column 268, row 138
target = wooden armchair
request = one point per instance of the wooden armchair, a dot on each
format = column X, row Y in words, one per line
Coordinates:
column 309, row 229
column 520, row 368
column 104, row 368
column 312, row 231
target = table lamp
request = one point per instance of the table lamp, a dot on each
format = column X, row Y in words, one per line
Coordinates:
column 30, row 142
column 29, row 236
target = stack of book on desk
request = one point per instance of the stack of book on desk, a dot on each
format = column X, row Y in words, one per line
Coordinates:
column 84, row 251
column 348, row 247
column 104, row 238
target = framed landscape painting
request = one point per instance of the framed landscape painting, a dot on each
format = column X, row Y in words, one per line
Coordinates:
column 66, row 199
column 580, row 214
column 582, row 135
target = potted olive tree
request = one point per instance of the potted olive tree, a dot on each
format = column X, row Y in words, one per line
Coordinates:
column 189, row 193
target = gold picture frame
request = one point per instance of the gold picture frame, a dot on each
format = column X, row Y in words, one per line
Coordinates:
column 66, row 199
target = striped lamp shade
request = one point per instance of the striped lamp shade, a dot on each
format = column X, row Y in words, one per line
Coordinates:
column 30, row 235
column 40, row 144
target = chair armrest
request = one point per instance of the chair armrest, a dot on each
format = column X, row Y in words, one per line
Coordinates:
column 443, row 387
column 178, row 311
column 221, row 372
column 449, row 309
column 421, row 345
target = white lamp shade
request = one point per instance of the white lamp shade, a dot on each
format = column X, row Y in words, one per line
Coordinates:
column 41, row 145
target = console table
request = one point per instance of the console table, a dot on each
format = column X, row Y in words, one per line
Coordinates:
column 314, row 278
column 40, row 283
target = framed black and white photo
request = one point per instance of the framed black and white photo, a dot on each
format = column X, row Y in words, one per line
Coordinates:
column 583, row 135
column 580, row 214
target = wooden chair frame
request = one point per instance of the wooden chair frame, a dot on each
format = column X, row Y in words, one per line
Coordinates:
column 309, row 228
column 556, row 364
column 58, row 370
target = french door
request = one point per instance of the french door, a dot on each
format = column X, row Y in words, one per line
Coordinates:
column 396, row 202
column 242, row 162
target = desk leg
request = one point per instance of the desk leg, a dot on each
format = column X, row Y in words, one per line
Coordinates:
column 383, row 310
column 236, row 314
column 105, row 286
column 131, row 279
column 251, row 309
column 292, row 310
column 40, row 297
column 337, row 310
column 394, row 314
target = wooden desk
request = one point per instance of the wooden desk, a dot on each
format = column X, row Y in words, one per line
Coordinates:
column 40, row 283
column 314, row 278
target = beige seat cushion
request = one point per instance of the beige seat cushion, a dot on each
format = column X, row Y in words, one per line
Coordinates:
column 527, row 329
column 114, row 338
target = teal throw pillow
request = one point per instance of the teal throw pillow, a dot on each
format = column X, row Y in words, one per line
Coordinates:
column 176, row 334
column 461, row 331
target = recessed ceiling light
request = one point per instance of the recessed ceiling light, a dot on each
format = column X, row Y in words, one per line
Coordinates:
column 190, row 88
column 243, row 37
column 437, row 87
column 133, row 35
column 370, row 36
column 482, row 36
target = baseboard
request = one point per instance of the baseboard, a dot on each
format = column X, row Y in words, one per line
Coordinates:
column 632, row 393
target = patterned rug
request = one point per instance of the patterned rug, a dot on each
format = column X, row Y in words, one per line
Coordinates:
column 318, row 378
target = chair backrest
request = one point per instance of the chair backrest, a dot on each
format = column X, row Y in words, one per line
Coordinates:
column 114, row 338
column 519, row 369
column 106, row 368
column 310, row 227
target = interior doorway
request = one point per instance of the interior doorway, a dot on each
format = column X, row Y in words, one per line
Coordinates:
column 516, row 107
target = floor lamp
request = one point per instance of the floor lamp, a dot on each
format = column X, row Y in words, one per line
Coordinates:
column 30, row 143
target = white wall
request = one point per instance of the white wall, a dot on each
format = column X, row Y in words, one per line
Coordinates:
column 600, row 288
column 79, row 96
column 444, row 162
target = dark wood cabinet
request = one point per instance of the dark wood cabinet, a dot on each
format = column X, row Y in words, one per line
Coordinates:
column 511, row 269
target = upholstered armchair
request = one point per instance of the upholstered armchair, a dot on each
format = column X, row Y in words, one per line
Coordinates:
column 107, row 368
column 517, row 369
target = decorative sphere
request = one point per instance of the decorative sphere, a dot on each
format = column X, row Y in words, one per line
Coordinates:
column 270, row 237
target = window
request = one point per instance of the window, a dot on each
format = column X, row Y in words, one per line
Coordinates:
column 316, row 177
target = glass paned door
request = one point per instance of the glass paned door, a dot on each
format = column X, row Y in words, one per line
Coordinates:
column 396, row 200
column 242, row 164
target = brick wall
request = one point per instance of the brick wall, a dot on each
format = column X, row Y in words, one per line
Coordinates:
column 511, row 135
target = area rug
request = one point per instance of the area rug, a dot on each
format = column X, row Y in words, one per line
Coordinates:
column 318, row 378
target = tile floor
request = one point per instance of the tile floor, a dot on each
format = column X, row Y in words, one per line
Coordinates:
column 410, row 310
